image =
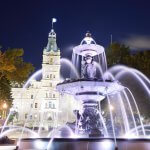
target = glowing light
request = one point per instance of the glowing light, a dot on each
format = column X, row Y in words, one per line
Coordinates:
column 111, row 107
column 130, row 136
column 5, row 106
column 39, row 144
column 105, row 145
column 54, row 20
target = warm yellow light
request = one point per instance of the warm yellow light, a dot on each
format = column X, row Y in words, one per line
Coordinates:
column 111, row 107
column 4, row 105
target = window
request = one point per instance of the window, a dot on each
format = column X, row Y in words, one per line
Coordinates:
column 31, row 96
column 46, row 95
column 35, row 116
column 47, row 76
column 50, row 95
column 54, row 76
column 53, row 95
column 26, row 115
column 30, row 116
column 50, row 76
column 31, row 105
column 36, row 105
column 54, row 106
column 50, row 84
column 51, row 60
column 50, row 105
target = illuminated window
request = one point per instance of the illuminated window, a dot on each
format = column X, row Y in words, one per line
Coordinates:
column 36, row 105
column 35, row 116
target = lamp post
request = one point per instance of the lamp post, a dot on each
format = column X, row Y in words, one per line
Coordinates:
column 4, row 106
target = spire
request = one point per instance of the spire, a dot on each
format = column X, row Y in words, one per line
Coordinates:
column 52, row 45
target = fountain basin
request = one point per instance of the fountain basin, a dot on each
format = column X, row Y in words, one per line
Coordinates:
column 85, row 89
column 6, row 147
column 85, row 144
column 90, row 49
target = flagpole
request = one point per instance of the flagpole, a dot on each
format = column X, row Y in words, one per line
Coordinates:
column 52, row 23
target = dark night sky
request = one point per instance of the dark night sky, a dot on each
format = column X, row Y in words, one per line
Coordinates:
column 26, row 24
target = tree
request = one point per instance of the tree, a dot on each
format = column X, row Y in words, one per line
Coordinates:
column 117, row 54
column 120, row 54
column 12, row 69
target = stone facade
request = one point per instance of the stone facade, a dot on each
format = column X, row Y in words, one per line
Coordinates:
column 39, row 101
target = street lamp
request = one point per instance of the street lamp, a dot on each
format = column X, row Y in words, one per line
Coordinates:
column 5, row 106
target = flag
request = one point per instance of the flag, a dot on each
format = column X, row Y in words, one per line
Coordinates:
column 54, row 20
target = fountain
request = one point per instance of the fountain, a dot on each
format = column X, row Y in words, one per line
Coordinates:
column 94, row 86
column 89, row 89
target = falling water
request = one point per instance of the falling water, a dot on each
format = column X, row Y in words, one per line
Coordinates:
column 72, row 67
column 127, row 99
column 137, row 111
column 36, row 74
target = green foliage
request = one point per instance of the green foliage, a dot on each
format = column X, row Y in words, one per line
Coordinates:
column 121, row 54
column 140, row 61
column 5, row 89
column 12, row 69
column 117, row 54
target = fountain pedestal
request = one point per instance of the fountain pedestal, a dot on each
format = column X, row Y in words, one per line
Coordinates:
column 90, row 121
